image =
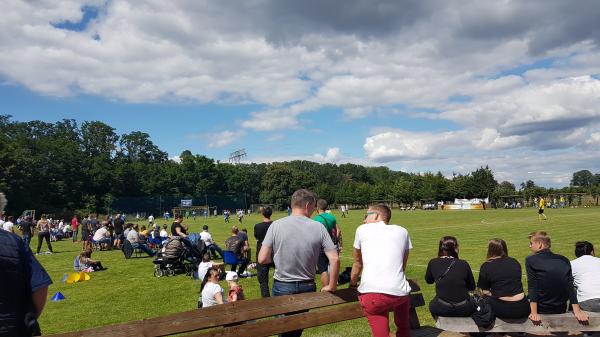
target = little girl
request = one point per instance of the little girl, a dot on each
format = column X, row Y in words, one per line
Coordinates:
column 87, row 264
column 236, row 293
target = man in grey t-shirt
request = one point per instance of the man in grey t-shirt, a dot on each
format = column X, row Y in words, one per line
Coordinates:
column 296, row 242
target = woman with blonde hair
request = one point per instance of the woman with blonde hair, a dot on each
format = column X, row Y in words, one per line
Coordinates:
column 500, row 281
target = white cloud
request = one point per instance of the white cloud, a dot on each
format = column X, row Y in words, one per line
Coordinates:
column 331, row 156
column 219, row 139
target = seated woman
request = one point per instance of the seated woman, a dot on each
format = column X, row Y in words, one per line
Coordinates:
column 500, row 280
column 211, row 293
column 453, row 280
column 87, row 264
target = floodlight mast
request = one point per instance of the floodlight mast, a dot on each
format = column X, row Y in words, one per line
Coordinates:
column 236, row 156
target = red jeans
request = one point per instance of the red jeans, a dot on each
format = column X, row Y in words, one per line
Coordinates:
column 377, row 306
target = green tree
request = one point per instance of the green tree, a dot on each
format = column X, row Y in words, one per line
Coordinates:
column 583, row 178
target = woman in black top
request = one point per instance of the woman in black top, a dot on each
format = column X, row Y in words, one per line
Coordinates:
column 453, row 280
column 500, row 280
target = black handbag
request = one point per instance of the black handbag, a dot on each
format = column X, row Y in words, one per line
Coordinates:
column 483, row 315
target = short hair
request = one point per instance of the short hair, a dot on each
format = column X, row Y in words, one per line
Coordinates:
column 447, row 246
column 583, row 248
column 136, row 227
column 234, row 230
column 205, row 227
column 383, row 210
column 178, row 216
column 267, row 212
column 322, row 204
column 165, row 226
column 3, row 202
column 497, row 248
column 302, row 197
column 10, row 218
column 541, row 236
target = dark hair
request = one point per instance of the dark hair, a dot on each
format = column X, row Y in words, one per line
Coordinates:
column 206, row 276
column 447, row 247
column 205, row 227
column 10, row 218
column 583, row 248
column 267, row 212
column 302, row 197
column 496, row 248
column 383, row 210
column 178, row 216
column 136, row 227
column 322, row 204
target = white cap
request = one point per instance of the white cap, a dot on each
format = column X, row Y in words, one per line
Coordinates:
column 231, row 276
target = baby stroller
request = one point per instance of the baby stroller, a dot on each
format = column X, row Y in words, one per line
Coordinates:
column 177, row 256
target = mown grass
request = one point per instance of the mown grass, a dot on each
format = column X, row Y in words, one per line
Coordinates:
column 129, row 291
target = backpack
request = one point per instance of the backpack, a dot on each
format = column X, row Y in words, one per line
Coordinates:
column 483, row 315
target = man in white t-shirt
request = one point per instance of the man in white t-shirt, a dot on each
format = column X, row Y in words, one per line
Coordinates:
column 586, row 276
column 381, row 253
column 9, row 226
column 102, row 236
column 209, row 243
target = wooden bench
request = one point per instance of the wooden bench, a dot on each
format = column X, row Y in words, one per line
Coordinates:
column 255, row 317
column 550, row 323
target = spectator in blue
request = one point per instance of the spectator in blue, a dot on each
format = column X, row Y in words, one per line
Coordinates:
column 27, row 281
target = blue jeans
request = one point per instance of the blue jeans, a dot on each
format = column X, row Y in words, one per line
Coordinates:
column 290, row 288
column 26, row 239
column 144, row 248
column 75, row 232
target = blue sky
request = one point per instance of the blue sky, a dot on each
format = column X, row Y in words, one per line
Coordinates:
column 413, row 85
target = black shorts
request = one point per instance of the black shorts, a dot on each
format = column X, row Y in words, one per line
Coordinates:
column 541, row 211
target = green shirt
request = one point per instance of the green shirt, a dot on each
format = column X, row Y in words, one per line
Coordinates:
column 327, row 220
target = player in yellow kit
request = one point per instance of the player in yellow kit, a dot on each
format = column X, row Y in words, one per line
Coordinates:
column 541, row 207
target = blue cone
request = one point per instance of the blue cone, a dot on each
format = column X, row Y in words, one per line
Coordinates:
column 58, row 297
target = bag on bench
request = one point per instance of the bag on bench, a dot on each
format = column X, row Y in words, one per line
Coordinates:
column 483, row 315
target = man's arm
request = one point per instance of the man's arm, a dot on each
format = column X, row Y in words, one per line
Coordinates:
column 338, row 231
column 532, row 291
column 356, row 268
column 405, row 260
column 264, row 256
column 179, row 232
column 39, row 300
column 334, row 263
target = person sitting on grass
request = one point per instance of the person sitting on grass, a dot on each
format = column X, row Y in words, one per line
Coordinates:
column 453, row 280
column 236, row 293
column 136, row 242
column 204, row 266
column 500, row 280
column 550, row 280
column 210, row 290
column 586, row 276
column 87, row 264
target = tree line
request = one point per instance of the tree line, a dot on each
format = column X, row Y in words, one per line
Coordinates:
column 55, row 167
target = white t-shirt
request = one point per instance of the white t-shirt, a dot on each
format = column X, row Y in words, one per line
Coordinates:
column 203, row 268
column 206, row 237
column 8, row 226
column 586, row 276
column 151, row 218
column 101, row 233
column 163, row 233
column 208, row 294
column 383, row 248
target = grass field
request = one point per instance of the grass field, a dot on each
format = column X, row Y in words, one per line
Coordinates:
column 129, row 291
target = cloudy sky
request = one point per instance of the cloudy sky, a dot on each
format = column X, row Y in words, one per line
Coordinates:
column 414, row 85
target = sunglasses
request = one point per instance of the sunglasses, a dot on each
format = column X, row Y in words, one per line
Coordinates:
column 370, row 213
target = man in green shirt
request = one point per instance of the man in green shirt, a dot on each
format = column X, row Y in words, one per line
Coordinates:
column 332, row 227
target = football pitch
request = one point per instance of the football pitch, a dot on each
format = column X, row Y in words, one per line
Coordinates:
column 129, row 291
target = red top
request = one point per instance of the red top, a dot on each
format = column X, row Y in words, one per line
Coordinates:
column 238, row 291
column 74, row 223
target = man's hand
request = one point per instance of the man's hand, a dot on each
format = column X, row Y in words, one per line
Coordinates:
column 581, row 316
column 535, row 319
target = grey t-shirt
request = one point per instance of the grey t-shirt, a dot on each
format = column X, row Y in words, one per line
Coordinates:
column 296, row 241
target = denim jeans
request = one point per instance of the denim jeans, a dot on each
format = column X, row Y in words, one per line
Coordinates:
column 290, row 288
column 27, row 239
column 144, row 248
column 591, row 305
column 75, row 232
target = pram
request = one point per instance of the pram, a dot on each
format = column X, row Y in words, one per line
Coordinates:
column 178, row 256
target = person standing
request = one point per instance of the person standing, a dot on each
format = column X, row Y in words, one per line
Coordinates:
column 541, row 207
column 25, row 286
column 294, row 243
column 260, row 230
column 330, row 223
column 86, row 228
column 43, row 227
column 118, row 224
column 380, row 253
column 586, row 276
column 75, row 227
column 26, row 226
column 550, row 280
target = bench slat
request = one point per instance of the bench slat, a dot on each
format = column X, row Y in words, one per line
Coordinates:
column 229, row 313
column 550, row 323
column 289, row 323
